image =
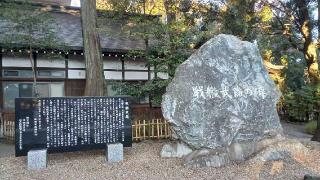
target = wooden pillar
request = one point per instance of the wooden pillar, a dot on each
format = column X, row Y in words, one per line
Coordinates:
column 66, row 66
column 149, row 73
column 122, row 67
column 34, row 56
column 149, row 78
column 155, row 72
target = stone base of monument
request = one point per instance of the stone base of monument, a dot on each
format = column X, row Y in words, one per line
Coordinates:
column 284, row 149
column 1, row 131
column 265, row 150
column 114, row 152
column 37, row 159
column 175, row 150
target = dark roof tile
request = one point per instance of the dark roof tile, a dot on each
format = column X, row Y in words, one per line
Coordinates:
column 69, row 31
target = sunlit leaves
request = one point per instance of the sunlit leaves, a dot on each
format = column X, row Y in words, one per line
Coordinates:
column 265, row 14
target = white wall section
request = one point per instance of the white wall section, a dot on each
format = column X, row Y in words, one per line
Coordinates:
column 76, row 61
column 57, row 62
column 77, row 74
column 10, row 60
column 136, row 75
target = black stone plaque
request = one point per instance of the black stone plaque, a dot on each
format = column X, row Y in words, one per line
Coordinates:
column 72, row 123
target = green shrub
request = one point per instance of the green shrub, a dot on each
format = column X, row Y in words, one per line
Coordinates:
column 311, row 127
column 304, row 104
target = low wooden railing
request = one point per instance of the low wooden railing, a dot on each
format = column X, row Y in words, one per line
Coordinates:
column 150, row 129
column 7, row 127
column 149, row 123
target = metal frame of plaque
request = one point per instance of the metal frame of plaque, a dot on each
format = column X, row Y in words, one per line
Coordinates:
column 64, row 124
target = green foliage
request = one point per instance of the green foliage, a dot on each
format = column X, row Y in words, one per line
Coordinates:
column 311, row 127
column 278, row 44
column 168, row 45
column 239, row 18
column 153, row 88
column 166, row 54
column 275, row 25
column 303, row 104
column 294, row 72
column 130, row 89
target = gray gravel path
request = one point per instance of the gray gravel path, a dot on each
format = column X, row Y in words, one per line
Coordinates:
column 292, row 130
column 142, row 161
column 6, row 148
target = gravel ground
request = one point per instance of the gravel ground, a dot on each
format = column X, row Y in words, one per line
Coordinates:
column 142, row 161
column 6, row 148
column 294, row 130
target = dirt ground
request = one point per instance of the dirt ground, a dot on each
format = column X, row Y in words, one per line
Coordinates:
column 142, row 161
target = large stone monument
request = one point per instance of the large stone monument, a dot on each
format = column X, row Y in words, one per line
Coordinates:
column 222, row 103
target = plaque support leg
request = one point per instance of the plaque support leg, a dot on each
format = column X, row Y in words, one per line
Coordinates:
column 114, row 152
column 1, row 128
column 37, row 159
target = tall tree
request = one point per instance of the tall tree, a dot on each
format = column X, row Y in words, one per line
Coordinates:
column 316, row 136
column 305, row 25
column 296, row 20
column 95, row 82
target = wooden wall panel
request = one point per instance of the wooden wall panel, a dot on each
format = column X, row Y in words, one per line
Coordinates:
column 75, row 87
column 146, row 112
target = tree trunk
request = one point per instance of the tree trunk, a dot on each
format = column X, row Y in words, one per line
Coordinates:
column 318, row 24
column 92, row 50
column 309, row 47
column 316, row 136
column 171, row 18
column 34, row 72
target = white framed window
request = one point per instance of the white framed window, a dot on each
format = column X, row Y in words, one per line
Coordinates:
column 51, row 73
column 17, row 73
column 29, row 73
column 12, row 90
